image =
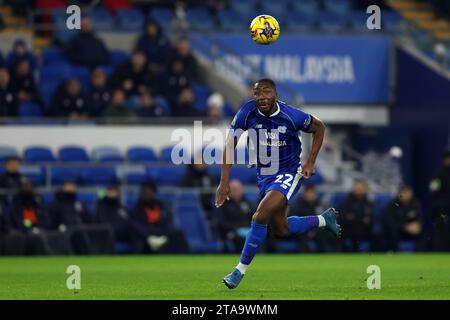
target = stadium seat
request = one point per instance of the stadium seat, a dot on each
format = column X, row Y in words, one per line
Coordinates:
column 51, row 56
column 109, row 154
column 298, row 21
column 275, row 8
column 187, row 198
column 166, row 153
column 231, row 20
column 130, row 198
column 199, row 19
column 29, row 109
column 215, row 171
column 58, row 175
column 380, row 202
column 358, row 21
column 201, row 93
column 38, row 154
column 288, row 246
column 102, row 19
column 163, row 16
column 89, row 199
column 73, row 154
column 7, row 151
column 407, row 246
column 118, row 56
column 390, row 21
column 141, row 154
column 306, row 7
column 98, row 176
column 332, row 22
column 338, row 7
column 252, row 197
column 243, row 174
column 83, row 74
column 167, row 175
column 337, row 198
column 130, row 20
column 35, row 173
column 243, row 7
column 192, row 222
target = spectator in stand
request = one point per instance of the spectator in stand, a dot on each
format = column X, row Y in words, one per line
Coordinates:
column 2, row 60
column 85, row 48
column 152, row 221
column 117, row 109
column 21, row 52
column 23, row 82
column 177, row 80
column 183, row 53
column 403, row 220
column 112, row 212
column 11, row 179
column 148, row 108
column 357, row 217
column 234, row 216
column 99, row 93
column 8, row 99
column 30, row 218
column 68, row 100
column 154, row 43
column 215, row 106
column 440, row 193
column 309, row 204
column 197, row 176
column 134, row 76
column 12, row 242
column 185, row 106
column 70, row 216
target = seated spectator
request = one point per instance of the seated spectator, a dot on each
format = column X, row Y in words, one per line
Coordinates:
column 30, row 218
column 183, row 53
column 234, row 216
column 403, row 220
column 133, row 76
column 356, row 217
column 10, row 180
column 215, row 106
column 176, row 81
column 2, row 60
column 85, row 48
column 198, row 176
column 21, row 52
column 440, row 191
column 99, row 93
column 148, row 108
column 112, row 212
column 23, row 82
column 12, row 242
column 185, row 106
column 8, row 99
column 153, row 43
column 152, row 221
column 70, row 216
column 116, row 108
column 68, row 100
column 309, row 204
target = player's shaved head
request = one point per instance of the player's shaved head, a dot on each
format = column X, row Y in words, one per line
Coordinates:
column 266, row 82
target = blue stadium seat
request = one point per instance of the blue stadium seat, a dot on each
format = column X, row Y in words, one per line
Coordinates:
column 187, row 198
column 98, row 176
column 243, row 174
column 337, row 199
column 56, row 71
column 141, row 154
column 59, row 175
column 166, row 153
column 167, row 175
column 199, row 19
column 232, row 21
column 105, row 154
column 118, row 56
column 253, row 197
column 338, row 7
column 130, row 198
column 201, row 93
column 130, row 19
column 275, row 8
column 51, row 56
column 215, row 171
column 163, row 16
column 83, row 74
column 297, row 21
column 192, row 222
column 38, row 154
column 407, row 246
column 306, row 7
column 46, row 89
column 380, row 202
column 358, row 20
column 102, row 19
column 7, row 151
column 331, row 22
column 29, row 109
column 288, row 246
column 390, row 20
column 73, row 154
column 243, row 7
column 35, row 173
column 89, row 199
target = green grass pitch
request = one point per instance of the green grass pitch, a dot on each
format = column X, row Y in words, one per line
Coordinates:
column 276, row 276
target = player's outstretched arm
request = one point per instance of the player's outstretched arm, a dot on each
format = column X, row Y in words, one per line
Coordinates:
column 318, row 133
column 223, row 191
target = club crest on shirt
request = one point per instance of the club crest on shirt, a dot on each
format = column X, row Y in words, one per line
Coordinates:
column 282, row 129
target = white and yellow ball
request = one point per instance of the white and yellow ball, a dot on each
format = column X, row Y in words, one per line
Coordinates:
column 264, row 29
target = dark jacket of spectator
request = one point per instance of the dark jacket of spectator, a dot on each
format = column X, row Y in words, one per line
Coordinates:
column 23, row 82
column 176, row 81
column 87, row 49
column 67, row 210
column 26, row 212
column 197, row 176
column 5, row 221
column 357, row 217
column 19, row 52
column 183, row 53
column 10, row 181
column 233, row 215
column 152, row 213
column 110, row 211
column 8, row 99
column 99, row 93
column 154, row 44
column 68, row 100
column 307, row 208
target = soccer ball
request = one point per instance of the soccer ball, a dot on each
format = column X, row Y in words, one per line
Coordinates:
column 264, row 29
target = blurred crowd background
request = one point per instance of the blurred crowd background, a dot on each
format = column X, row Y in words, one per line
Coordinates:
column 385, row 163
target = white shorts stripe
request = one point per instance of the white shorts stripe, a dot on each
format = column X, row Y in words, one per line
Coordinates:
column 294, row 184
